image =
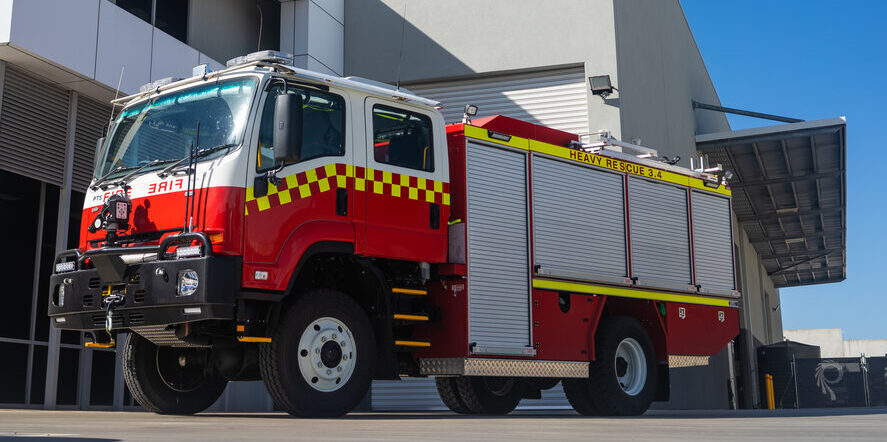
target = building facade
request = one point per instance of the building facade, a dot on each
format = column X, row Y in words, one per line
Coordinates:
column 61, row 62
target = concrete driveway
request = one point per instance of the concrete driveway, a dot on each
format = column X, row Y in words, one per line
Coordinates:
column 789, row 425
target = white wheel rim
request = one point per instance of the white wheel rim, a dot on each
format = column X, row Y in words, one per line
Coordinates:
column 631, row 366
column 327, row 352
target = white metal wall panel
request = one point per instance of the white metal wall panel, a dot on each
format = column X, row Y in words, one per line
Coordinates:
column 92, row 118
column 420, row 394
column 498, row 262
column 33, row 127
column 407, row 394
column 578, row 218
column 553, row 98
column 712, row 241
column 660, row 233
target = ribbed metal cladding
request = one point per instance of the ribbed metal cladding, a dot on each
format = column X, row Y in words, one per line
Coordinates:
column 578, row 218
column 498, row 267
column 660, row 233
column 712, row 241
column 553, row 98
column 92, row 118
column 33, row 127
column 407, row 394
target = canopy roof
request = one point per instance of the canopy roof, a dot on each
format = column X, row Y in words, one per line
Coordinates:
column 789, row 195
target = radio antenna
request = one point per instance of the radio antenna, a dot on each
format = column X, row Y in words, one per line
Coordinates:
column 403, row 26
column 261, row 21
column 116, row 94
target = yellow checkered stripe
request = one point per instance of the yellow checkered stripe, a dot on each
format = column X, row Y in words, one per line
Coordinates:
column 345, row 176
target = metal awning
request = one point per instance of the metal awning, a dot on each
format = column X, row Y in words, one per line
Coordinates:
column 789, row 195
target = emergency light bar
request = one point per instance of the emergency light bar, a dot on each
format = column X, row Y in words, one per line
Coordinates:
column 265, row 56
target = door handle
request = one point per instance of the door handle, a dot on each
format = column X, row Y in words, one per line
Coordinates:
column 434, row 216
column 342, row 202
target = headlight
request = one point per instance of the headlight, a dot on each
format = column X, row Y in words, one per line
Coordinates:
column 63, row 267
column 188, row 282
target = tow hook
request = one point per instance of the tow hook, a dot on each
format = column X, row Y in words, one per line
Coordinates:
column 110, row 301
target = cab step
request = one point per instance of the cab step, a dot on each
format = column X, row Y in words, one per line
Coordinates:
column 417, row 344
column 414, row 292
column 410, row 317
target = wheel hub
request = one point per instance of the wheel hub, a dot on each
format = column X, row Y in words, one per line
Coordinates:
column 181, row 369
column 327, row 354
column 631, row 366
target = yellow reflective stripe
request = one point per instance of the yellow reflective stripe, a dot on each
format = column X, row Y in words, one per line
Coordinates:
column 412, row 344
column 481, row 134
column 698, row 184
column 405, row 317
column 409, row 291
column 547, row 284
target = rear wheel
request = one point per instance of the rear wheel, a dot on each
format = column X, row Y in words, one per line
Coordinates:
column 489, row 395
column 320, row 360
column 449, row 394
column 169, row 380
column 622, row 379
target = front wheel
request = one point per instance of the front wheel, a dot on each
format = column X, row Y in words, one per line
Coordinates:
column 622, row 379
column 321, row 358
column 169, row 380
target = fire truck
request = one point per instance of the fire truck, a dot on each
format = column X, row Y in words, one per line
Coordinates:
column 317, row 232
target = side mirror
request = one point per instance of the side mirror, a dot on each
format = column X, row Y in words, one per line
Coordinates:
column 288, row 128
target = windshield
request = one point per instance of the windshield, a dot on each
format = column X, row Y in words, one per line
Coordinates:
column 163, row 129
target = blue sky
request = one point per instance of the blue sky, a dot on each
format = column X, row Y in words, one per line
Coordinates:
column 815, row 59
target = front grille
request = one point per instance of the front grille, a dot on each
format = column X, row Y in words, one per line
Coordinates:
column 98, row 321
column 87, row 300
column 94, row 283
column 139, row 295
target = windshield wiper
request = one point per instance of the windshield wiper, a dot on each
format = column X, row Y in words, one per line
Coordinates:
column 200, row 153
column 125, row 179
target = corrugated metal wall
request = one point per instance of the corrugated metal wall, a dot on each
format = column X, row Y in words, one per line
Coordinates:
column 498, row 249
column 420, row 394
column 578, row 218
column 33, row 127
column 92, row 118
column 554, row 98
column 711, row 241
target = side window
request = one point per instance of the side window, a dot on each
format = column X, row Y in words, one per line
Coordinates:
column 402, row 138
column 323, row 126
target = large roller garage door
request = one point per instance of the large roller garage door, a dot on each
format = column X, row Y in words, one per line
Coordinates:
column 557, row 98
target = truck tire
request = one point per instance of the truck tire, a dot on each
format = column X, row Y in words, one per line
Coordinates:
column 489, row 395
column 321, row 357
column 449, row 394
column 169, row 380
column 622, row 379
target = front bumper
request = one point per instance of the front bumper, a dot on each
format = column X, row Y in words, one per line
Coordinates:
column 150, row 295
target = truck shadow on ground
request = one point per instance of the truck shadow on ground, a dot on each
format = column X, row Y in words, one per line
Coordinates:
column 650, row 415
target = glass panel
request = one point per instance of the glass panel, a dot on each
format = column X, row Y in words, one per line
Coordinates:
column 323, row 126
column 101, row 390
column 172, row 18
column 138, row 8
column 13, row 373
column 69, row 366
column 402, row 138
column 20, row 201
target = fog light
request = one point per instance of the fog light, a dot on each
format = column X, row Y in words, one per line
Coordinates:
column 191, row 310
column 187, row 252
column 188, row 282
column 61, row 300
column 63, row 267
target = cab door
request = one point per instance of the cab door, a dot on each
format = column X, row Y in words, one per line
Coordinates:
column 405, row 182
column 311, row 201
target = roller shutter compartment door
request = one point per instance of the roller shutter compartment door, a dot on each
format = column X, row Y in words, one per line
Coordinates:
column 578, row 218
column 660, row 233
column 498, row 262
column 712, row 241
column 555, row 98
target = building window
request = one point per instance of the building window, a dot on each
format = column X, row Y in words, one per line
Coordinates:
column 323, row 123
column 170, row 16
column 402, row 138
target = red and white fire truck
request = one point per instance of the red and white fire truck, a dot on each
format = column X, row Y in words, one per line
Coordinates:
column 317, row 232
